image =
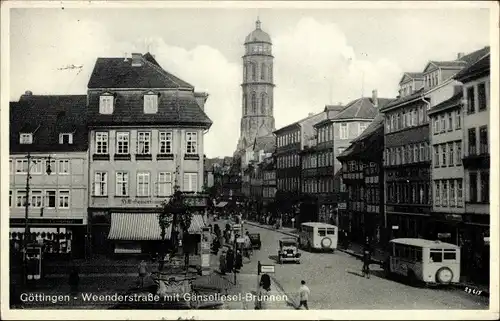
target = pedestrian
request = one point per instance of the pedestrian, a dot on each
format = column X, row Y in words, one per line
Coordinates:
column 229, row 260
column 304, row 293
column 238, row 262
column 222, row 263
column 74, row 280
column 367, row 251
column 142, row 272
column 262, row 297
column 247, row 244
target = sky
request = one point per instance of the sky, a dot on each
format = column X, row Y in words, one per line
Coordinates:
column 322, row 56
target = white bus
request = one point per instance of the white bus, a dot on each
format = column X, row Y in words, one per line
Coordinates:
column 315, row 235
column 431, row 262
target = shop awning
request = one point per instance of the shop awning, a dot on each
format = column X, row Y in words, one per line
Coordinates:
column 135, row 227
column 145, row 227
column 221, row 204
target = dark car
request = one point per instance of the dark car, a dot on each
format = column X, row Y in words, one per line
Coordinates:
column 255, row 240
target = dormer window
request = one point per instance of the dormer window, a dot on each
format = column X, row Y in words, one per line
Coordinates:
column 106, row 104
column 26, row 138
column 66, row 138
column 150, row 103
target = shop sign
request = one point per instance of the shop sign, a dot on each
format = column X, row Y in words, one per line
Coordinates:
column 453, row 217
column 46, row 221
column 395, row 227
column 142, row 201
column 342, row 206
column 444, row 235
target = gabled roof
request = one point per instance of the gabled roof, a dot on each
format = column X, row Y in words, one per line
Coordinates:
column 119, row 73
column 333, row 108
column 173, row 108
column 477, row 69
column 411, row 75
column 375, row 125
column 208, row 163
column 368, row 144
column 47, row 117
column 464, row 61
column 454, row 101
column 297, row 123
column 455, row 64
column 404, row 99
column 362, row 108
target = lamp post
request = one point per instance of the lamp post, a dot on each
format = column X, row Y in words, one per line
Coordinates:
column 26, row 207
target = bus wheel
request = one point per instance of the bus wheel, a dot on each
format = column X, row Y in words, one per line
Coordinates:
column 444, row 275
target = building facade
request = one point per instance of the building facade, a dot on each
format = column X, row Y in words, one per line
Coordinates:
column 42, row 127
column 146, row 131
column 257, row 118
column 362, row 174
column 476, row 163
column 268, row 182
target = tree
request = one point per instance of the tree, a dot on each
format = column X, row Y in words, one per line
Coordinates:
column 175, row 213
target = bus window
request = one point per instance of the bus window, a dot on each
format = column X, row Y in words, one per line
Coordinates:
column 321, row 231
column 406, row 253
column 330, row 231
column 418, row 255
column 449, row 255
column 436, row 255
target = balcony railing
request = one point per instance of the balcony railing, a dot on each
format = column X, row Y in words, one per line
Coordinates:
column 483, row 149
column 472, row 150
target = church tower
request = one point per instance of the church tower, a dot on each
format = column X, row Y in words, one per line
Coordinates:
column 257, row 88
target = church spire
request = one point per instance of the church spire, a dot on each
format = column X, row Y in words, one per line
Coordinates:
column 257, row 23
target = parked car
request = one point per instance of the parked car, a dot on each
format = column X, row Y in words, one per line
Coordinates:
column 288, row 251
column 255, row 239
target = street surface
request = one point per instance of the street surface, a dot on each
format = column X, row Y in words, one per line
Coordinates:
column 335, row 281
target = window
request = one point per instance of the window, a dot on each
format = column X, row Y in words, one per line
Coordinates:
column 36, row 166
column 449, row 255
column 191, row 142
column 415, row 153
column 151, row 103
column 121, row 184
column 100, row 184
column 443, row 155
column 437, row 193
column 470, row 100
column 190, row 182
column 485, row 187
column 21, row 166
column 343, row 131
column 253, row 101
column 450, row 121
column 254, row 71
column 443, row 123
column 420, row 115
column 64, row 199
column 436, row 125
column 164, row 184
column 101, row 142
column 481, row 96
column 26, row 138
column 122, row 143
column 143, row 143
column 66, row 138
column 404, row 120
column 483, row 140
column 10, row 198
column 451, row 155
column 142, row 184
column 36, row 199
column 458, row 152
column 473, row 187
column 458, row 120
column 165, row 139
column 362, row 128
column 459, row 193
column 436, row 256
column 21, row 198
column 436, row 155
column 444, row 194
column 263, row 103
column 63, row 166
column 472, row 141
column 263, row 72
column 453, row 199
column 106, row 104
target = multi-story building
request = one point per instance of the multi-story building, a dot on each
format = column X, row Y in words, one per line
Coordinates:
column 334, row 135
column 268, row 182
column 447, row 171
column 290, row 141
column 476, row 163
column 408, row 152
column 42, row 127
column 146, row 130
column 362, row 174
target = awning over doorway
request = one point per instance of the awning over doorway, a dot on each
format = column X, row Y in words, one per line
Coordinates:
column 145, row 227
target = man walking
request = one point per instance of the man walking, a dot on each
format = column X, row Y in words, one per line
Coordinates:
column 142, row 272
column 367, row 251
column 304, row 295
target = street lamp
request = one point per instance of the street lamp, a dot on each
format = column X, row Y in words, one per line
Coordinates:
column 27, row 204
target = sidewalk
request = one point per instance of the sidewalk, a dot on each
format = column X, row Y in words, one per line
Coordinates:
column 378, row 256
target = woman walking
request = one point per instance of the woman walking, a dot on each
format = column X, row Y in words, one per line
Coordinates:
column 262, row 298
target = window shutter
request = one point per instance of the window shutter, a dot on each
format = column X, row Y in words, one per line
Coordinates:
column 194, row 182
column 186, row 181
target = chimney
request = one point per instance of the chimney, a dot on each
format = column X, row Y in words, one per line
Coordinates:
column 460, row 55
column 201, row 99
column 27, row 94
column 375, row 98
column 136, row 60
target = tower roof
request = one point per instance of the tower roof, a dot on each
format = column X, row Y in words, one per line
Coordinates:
column 258, row 35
